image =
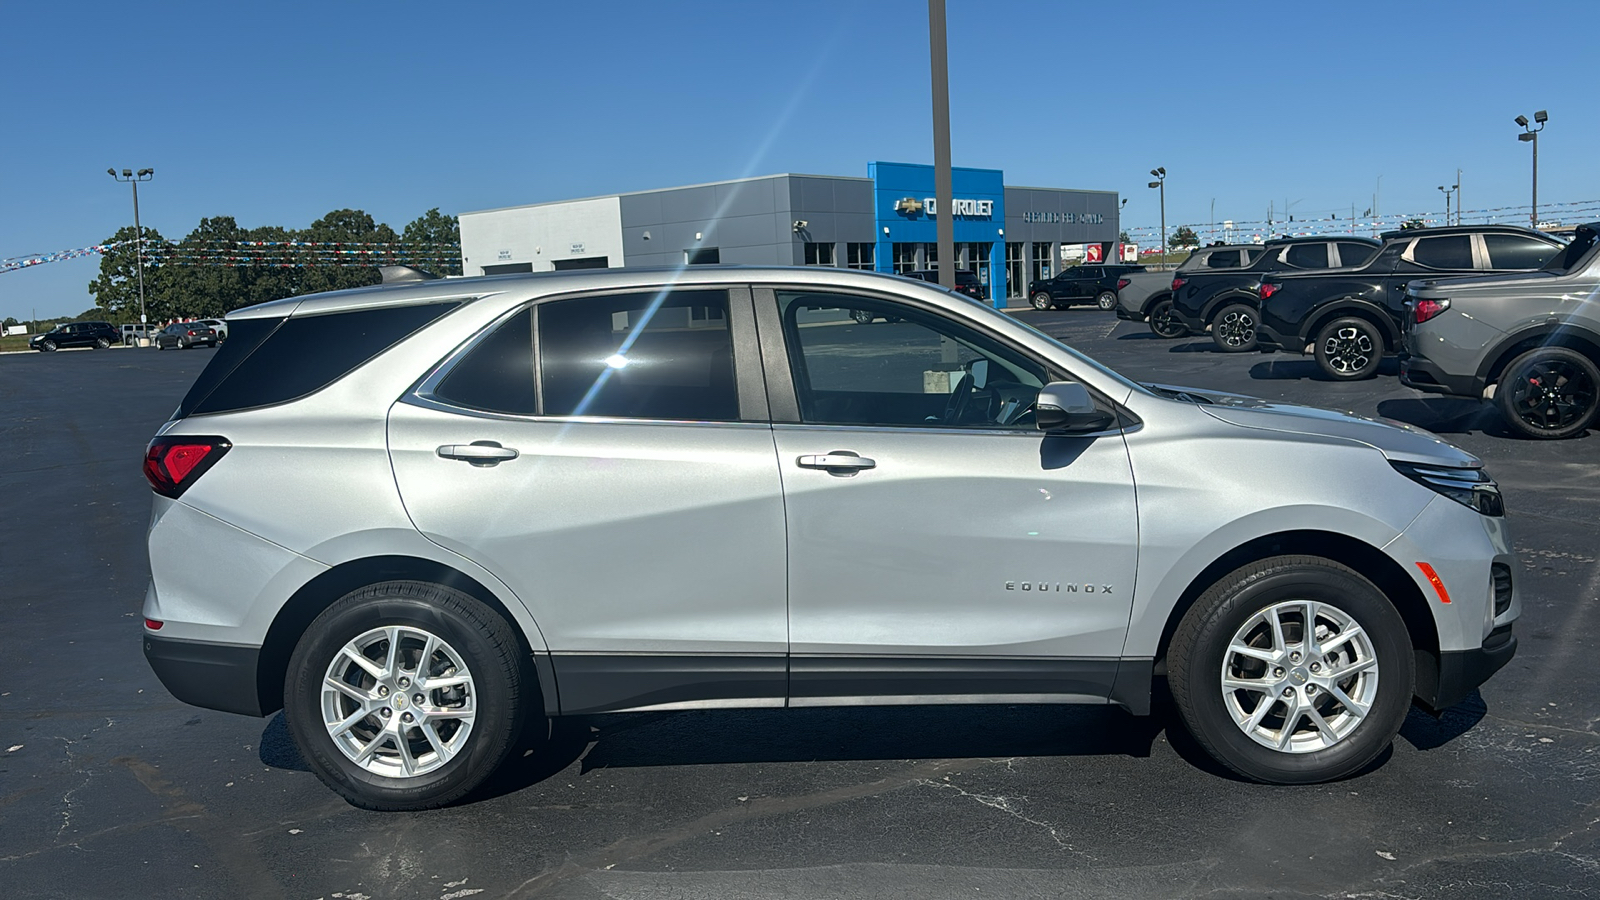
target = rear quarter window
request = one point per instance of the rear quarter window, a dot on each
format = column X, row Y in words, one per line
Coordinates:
column 1445, row 252
column 269, row 361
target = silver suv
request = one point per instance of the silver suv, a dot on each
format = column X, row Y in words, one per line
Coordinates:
column 449, row 509
column 1528, row 341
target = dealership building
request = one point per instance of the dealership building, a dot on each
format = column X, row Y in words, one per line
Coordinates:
column 885, row 222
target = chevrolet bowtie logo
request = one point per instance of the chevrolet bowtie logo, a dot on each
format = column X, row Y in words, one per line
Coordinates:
column 910, row 206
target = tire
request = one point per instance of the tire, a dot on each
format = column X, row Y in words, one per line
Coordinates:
column 158, row 344
column 1163, row 323
column 499, row 695
column 1106, row 300
column 1240, row 608
column 1349, row 349
column 1233, row 329
column 861, row 315
column 1042, row 302
column 101, row 344
column 1549, row 393
column 48, row 346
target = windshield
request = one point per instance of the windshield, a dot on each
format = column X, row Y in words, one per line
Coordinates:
column 1574, row 253
column 1079, row 357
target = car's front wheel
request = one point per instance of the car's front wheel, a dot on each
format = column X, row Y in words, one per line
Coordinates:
column 1164, row 322
column 1550, row 392
column 1292, row 670
column 101, row 343
column 1106, row 300
column 862, row 316
column 1234, row 328
column 406, row 695
column 1041, row 301
column 1349, row 349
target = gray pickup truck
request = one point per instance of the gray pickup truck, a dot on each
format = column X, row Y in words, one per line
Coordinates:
column 1147, row 296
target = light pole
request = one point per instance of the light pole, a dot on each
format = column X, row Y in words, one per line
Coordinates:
column 1160, row 172
column 939, row 72
column 1530, row 133
column 1447, row 192
column 134, row 178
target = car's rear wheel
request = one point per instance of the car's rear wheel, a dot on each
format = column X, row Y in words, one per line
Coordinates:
column 1349, row 349
column 406, row 695
column 1106, row 300
column 1292, row 670
column 1164, row 322
column 1550, row 392
column 1041, row 301
column 1234, row 328
column 861, row 315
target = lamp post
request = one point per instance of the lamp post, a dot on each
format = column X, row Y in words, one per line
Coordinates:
column 1160, row 173
column 134, row 178
column 1447, row 192
column 1530, row 133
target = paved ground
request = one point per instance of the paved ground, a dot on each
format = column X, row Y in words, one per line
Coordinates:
column 110, row 788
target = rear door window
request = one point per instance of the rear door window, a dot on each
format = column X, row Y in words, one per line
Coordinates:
column 1307, row 256
column 647, row 355
column 1444, row 252
column 1516, row 251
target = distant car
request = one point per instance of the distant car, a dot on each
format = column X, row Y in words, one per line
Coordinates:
column 1147, row 296
column 132, row 332
column 219, row 326
column 1080, row 284
column 186, row 336
column 1528, row 341
column 967, row 285
column 95, row 335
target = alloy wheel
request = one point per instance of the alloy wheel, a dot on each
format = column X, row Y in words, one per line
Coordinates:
column 1552, row 395
column 398, row 701
column 1299, row 676
column 1349, row 350
column 1041, row 301
column 1106, row 300
column 1236, row 327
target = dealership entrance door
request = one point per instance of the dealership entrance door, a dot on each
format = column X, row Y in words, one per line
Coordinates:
column 581, row 262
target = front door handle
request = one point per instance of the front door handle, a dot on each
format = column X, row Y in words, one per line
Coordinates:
column 479, row 453
column 837, row 462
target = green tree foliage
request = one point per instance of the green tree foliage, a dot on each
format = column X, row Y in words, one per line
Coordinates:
column 1183, row 238
column 438, row 231
column 216, row 268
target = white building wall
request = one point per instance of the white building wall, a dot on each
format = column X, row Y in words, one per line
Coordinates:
column 542, row 234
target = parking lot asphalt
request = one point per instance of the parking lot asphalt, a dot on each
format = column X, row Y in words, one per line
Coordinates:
column 111, row 788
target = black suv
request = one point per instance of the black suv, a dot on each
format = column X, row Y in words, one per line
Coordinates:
column 1224, row 300
column 95, row 335
column 1348, row 319
column 1080, row 284
column 966, row 281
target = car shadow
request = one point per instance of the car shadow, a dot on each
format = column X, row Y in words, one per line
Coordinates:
column 1191, row 345
column 1427, row 732
column 1446, row 415
column 1145, row 335
column 1302, row 369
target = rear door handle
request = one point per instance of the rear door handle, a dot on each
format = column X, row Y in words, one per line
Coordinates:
column 838, row 462
column 479, row 453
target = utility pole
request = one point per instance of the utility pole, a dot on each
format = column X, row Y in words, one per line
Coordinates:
column 134, row 178
column 1458, row 197
column 938, row 56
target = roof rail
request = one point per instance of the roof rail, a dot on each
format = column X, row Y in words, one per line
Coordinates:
column 402, row 274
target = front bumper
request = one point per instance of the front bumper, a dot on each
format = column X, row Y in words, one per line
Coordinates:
column 1462, row 671
column 1425, row 375
column 214, row 676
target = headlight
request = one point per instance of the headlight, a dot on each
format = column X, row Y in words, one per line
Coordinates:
column 1472, row 488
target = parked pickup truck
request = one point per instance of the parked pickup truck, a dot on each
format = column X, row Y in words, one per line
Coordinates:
column 1224, row 301
column 1350, row 318
column 1147, row 296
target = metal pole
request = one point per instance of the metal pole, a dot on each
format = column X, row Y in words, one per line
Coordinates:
column 1164, row 250
column 938, row 50
column 1535, row 213
column 138, row 248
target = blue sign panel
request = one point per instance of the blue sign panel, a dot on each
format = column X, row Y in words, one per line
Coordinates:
column 906, row 212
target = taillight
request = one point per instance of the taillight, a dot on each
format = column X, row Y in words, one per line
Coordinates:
column 1427, row 309
column 1179, row 282
column 173, row 462
column 1122, row 283
column 1268, row 289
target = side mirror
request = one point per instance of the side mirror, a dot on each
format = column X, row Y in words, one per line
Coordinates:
column 980, row 373
column 1065, row 407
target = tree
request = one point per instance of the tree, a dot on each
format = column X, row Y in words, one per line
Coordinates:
column 1183, row 238
column 352, row 229
column 116, row 291
column 10, row 322
column 442, row 236
column 1123, row 237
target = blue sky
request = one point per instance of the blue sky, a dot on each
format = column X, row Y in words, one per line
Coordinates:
column 276, row 113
